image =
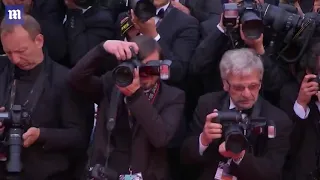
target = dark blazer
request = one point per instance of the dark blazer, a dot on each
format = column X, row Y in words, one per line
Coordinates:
column 304, row 138
column 203, row 9
column 50, row 15
column 156, row 124
column 179, row 37
column 269, row 154
column 86, row 30
column 179, row 34
column 61, row 122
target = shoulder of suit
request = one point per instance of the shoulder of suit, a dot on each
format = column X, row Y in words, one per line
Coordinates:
column 186, row 17
column 273, row 112
column 171, row 90
column 212, row 97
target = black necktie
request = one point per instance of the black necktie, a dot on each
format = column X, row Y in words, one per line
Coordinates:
column 160, row 14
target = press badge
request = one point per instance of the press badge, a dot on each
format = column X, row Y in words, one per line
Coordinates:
column 223, row 172
column 137, row 176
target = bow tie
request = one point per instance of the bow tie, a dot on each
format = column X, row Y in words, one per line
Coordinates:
column 160, row 14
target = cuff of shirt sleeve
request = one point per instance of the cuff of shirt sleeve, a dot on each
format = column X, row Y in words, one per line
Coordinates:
column 299, row 110
column 157, row 38
column 237, row 161
column 220, row 28
column 202, row 147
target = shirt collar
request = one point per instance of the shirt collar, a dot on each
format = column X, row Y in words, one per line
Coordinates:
column 231, row 106
column 165, row 7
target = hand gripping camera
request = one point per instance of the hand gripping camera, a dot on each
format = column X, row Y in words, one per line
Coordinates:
column 14, row 120
column 143, row 9
column 238, row 127
column 123, row 74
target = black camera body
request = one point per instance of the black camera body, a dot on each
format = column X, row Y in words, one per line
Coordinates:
column 14, row 120
column 124, row 74
column 249, row 14
column 238, row 127
column 143, row 9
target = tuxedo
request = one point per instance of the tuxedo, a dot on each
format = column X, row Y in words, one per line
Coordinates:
column 179, row 36
column 267, row 157
column 301, row 159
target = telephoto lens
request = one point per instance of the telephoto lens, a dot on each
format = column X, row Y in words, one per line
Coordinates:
column 233, row 132
column 123, row 74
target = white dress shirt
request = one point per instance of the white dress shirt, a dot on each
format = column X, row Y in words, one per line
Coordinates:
column 165, row 7
column 202, row 147
column 299, row 110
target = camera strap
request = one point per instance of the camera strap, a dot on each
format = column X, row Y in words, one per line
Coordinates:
column 111, row 121
column 33, row 96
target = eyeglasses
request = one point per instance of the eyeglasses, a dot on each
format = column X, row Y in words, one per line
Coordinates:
column 241, row 88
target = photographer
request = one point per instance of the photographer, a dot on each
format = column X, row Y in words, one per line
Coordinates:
column 205, row 60
column 241, row 71
column 300, row 100
column 52, row 124
column 176, row 32
column 87, row 25
column 148, row 111
column 50, row 15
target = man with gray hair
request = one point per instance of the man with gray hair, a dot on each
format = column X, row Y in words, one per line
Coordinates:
column 241, row 72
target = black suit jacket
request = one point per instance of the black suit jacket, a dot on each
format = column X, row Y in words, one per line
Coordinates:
column 304, row 138
column 86, row 30
column 179, row 37
column 50, row 15
column 179, row 34
column 203, row 9
column 61, row 122
column 156, row 124
column 269, row 154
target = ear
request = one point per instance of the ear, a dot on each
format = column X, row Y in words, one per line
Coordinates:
column 225, row 85
column 39, row 40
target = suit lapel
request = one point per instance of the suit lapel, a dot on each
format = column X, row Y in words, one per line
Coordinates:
column 167, row 20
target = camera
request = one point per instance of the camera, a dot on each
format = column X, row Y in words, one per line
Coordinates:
column 249, row 14
column 238, row 127
column 123, row 74
column 143, row 9
column 14, row 120
column 254, row 16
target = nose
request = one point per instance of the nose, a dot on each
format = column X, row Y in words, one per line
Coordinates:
column 15, row 58
column 246, row 93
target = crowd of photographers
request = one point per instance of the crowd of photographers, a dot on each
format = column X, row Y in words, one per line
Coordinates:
column 160, row 90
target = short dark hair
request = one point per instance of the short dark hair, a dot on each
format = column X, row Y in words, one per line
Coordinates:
column 147, row 45
column 30, row 24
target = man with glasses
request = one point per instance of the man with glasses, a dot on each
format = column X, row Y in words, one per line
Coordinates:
column 241, row 72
